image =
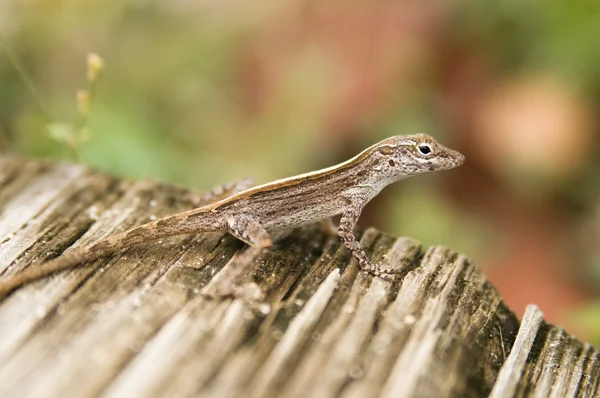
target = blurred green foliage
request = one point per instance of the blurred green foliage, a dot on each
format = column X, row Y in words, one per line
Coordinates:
column 555, row 35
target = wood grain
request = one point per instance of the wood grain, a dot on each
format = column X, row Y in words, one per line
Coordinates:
column 142, row 323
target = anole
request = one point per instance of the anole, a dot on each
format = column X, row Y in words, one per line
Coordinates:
column 253, row 214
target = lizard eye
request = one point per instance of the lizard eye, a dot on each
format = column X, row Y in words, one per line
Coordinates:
column 424, row 149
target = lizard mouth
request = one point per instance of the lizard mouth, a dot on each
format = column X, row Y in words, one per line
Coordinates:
column 457, row 157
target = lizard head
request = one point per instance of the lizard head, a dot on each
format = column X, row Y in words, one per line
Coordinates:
column 408, row 155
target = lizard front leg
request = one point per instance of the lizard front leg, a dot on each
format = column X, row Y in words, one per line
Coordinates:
column 345, row 232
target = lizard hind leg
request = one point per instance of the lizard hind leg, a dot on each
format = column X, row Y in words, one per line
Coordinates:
column 248, row 230
column 220, row 192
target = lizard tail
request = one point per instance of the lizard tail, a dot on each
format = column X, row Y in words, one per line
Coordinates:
column 34, row 273
column 163, row 228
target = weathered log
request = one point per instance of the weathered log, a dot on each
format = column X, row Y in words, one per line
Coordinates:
column 146, row 322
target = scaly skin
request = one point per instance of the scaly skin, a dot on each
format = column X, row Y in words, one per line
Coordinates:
column 253, row 213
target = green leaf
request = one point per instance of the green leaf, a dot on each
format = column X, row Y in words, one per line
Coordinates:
column 62, row 132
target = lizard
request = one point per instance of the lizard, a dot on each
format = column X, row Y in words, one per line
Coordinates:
column 254, row 214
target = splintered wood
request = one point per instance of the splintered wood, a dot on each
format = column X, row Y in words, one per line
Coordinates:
column 150, row 322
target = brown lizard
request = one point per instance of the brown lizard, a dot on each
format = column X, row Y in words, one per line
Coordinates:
column 252, row 214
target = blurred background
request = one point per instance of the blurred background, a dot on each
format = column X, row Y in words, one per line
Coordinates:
column 202, row 92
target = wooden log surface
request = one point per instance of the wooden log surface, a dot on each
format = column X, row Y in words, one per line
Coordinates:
column 146, row 322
